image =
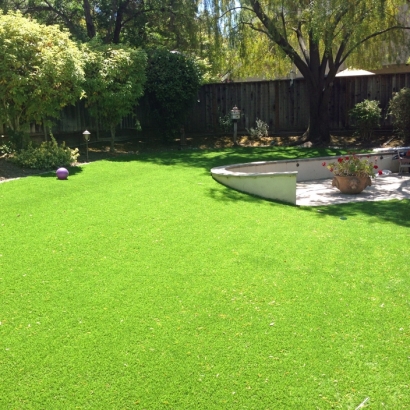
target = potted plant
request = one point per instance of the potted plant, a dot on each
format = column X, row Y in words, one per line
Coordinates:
column 352, row 173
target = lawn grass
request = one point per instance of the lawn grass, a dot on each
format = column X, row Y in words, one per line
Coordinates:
column 142, row 283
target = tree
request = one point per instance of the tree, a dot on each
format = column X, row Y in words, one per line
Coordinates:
column 41, row 71
column 173, row 81
column 115, row 77
column 138, row 22
column 315, row 36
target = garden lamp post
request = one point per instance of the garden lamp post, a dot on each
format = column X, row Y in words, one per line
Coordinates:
column 235, row 116
column 292, row 77
column 87, row 138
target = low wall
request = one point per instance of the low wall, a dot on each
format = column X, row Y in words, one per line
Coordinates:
column 277, row 179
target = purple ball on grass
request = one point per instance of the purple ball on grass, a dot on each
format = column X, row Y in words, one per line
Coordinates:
column 62, row 173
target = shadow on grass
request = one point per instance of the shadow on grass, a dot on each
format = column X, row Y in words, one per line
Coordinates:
column 229, row 195
column 394, row 211
column 208, row 159
column 52, row 174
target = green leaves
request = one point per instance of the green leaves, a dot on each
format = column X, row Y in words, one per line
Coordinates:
column 172, row 84
column 42, row 71
column 115, row 77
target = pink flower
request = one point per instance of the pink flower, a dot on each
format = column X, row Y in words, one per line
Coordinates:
column 380, row 172
column 347, row 158
column 341, row 159
column 323, row 164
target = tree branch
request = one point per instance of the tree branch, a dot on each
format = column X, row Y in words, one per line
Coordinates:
column 302, row 43
column 375, row 34
column 277, row 37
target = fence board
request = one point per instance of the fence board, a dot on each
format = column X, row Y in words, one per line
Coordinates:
column 282, row 106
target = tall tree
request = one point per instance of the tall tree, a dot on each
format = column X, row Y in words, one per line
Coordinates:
column 115, row 77
column 41, row 71
column 317, row 37
column 115, row 21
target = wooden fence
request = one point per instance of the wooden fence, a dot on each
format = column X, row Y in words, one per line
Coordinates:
column 282, row 105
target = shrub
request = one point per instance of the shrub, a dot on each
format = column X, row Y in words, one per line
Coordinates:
column 225, row 122
column 16, row 141
column 366, row 116
column 399, row 108
column 47, row 156
column 173, row 82
column 261, row 130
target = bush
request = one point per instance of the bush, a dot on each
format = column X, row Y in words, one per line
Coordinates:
column 225, row 122
column 47, row 156
column 16, row 141
column 261, row 130
column 399, row 108
column 173, row 81
column 366, row 116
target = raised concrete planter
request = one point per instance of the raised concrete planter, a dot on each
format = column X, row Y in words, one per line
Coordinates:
column 277, row 179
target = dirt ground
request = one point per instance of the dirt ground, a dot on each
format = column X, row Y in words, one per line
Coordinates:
column 100, row 150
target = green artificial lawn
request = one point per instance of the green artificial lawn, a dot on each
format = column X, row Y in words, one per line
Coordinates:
column 141, row 283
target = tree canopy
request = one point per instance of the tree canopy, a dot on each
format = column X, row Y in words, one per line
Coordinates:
column 115, row 77
column 138, row 22
column 173, row 81
column 41, row 71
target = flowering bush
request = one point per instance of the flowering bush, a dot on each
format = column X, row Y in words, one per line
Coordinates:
column 352, row 165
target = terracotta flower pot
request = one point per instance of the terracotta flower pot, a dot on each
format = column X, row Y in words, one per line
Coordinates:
column 351, row 184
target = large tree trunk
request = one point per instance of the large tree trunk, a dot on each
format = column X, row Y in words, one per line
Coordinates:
column 88, row 19
column 318, row 130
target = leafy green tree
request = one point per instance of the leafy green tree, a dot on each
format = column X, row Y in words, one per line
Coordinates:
column 317, row 37
column 170, row 22
column 41, row 72
column 173, row 81
column 115, row 77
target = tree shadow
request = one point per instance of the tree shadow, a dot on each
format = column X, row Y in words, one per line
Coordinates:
column 208, row 159
column 394, row 211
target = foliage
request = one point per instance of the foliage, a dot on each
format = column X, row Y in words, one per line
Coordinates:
column 352, row 165
column 173, row 82
column 366, row 116
column 16, row 141
column 261, row 130
column 225, row 122
column 41, row 71
column 115, row 77
column 399, row 108
column 48, row 155
column 170, row 23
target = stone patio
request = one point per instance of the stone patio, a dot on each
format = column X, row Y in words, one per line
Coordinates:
column 321, row 193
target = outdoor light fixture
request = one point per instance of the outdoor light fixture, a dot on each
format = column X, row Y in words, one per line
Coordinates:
column 235, row 113
column 291, row 76
column 235, row 116
column 87, row 138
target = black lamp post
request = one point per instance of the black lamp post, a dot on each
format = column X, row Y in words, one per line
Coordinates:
column 87, row 138
column 235, row 116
